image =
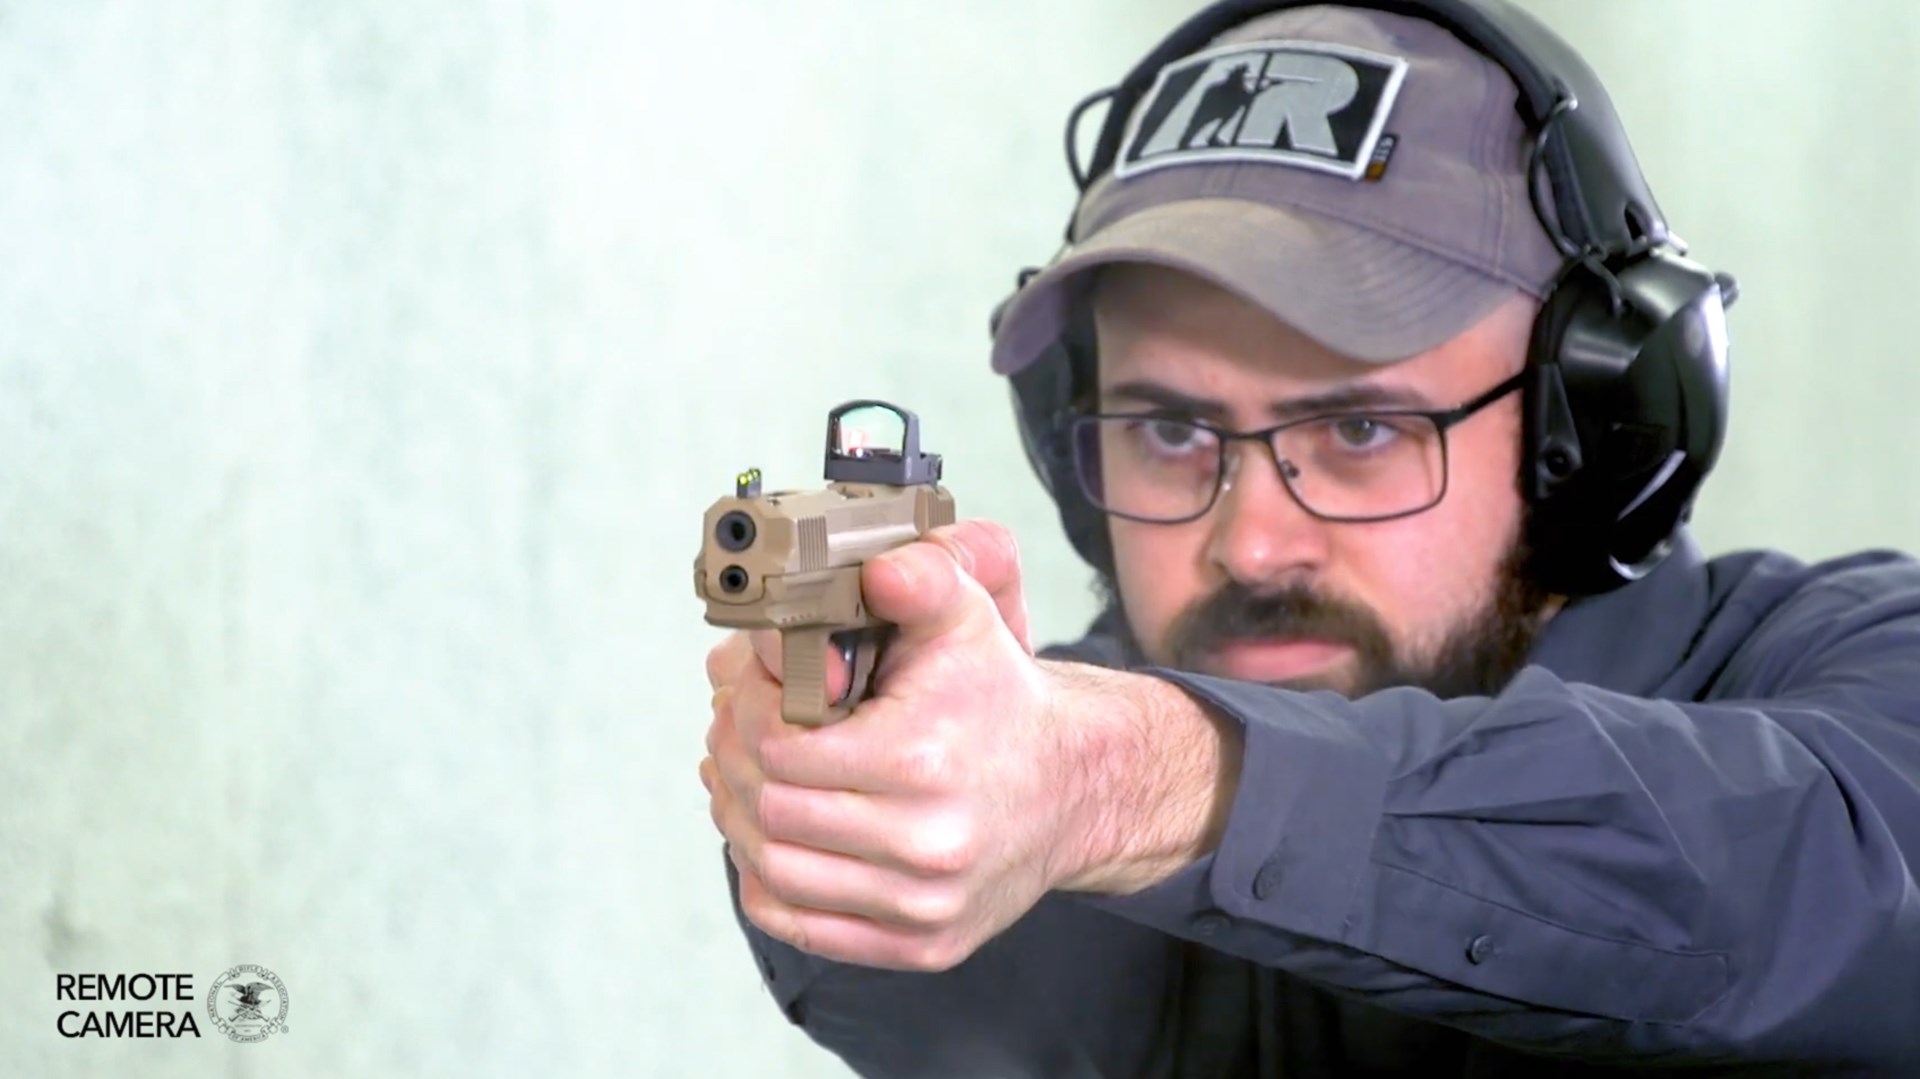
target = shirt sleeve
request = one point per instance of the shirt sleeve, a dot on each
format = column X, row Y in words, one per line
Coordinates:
column 1569, row 870
column 1067, row 992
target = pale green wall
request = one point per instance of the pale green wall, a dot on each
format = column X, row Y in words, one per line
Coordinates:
column 365, row 366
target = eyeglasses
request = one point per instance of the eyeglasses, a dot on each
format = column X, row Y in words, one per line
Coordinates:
column 1360, row 465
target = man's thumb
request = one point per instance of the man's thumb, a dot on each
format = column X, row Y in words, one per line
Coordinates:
column 988, row 553
column 922, row 589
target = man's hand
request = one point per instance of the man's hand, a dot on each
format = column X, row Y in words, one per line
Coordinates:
column 973, row 782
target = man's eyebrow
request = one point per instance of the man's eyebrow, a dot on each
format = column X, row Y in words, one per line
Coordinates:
column 1348, row 398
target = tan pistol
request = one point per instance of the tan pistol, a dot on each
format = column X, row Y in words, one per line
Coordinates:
column 790, row 560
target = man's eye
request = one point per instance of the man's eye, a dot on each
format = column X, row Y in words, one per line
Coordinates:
column 1172, row 434
column 1362, row 432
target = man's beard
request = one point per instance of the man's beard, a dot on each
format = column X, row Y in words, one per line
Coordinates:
column 1478, row 657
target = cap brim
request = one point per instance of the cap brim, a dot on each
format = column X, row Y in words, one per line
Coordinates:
column 1358, row 292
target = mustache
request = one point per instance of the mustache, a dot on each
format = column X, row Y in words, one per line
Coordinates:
column 1237, row 613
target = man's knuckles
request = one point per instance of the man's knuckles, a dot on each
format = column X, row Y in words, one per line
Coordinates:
column 927, row 908
column 935, row 954
column 944, row 847
column 781, row 870
column 927, row 764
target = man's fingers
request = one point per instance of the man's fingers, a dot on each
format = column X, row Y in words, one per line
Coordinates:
column 847, row 938
column 749, row 739
column 724, row 659
column 815, row 879
column 988, row 553
column 766, row 645
column 753, row 721
column 822, row 879
column 855, row 824
column 733, row 819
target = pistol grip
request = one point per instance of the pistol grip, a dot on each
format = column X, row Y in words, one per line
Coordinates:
column 803, row 674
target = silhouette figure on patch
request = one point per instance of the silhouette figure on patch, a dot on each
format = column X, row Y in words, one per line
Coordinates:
column 1227, row 102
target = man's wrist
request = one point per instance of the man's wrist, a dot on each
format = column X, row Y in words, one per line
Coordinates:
column 1156, row 776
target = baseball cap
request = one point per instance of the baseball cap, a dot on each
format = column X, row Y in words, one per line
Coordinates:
column 1360, row 175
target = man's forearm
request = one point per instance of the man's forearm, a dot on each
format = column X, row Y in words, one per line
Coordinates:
column 1159, row 777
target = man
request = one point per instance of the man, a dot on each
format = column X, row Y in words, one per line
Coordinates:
column 1341, row 782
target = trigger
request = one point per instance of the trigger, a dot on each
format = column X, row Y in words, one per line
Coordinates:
column 847, row 643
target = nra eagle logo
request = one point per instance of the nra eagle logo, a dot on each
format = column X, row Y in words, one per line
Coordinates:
column 1307, row 104
column 248, row 1003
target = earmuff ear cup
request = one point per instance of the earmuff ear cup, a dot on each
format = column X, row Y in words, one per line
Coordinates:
column 1043, row 396
column 1625, row 414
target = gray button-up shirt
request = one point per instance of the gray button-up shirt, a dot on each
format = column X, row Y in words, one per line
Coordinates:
column 1688, row 830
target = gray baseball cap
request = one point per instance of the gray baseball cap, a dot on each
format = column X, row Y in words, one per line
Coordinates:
column 1360, row 175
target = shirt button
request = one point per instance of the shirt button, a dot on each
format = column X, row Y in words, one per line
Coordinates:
column 1479, row 949
column 1267, row 881
column 1211, row 924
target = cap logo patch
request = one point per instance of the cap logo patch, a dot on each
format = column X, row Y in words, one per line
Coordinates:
column 1307, row 104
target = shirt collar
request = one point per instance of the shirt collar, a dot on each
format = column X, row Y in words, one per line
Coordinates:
column 1633, row 638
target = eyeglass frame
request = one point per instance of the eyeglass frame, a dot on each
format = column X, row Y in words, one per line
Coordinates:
column 1443, row 420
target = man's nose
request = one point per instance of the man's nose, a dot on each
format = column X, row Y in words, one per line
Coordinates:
column 1262, row 536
